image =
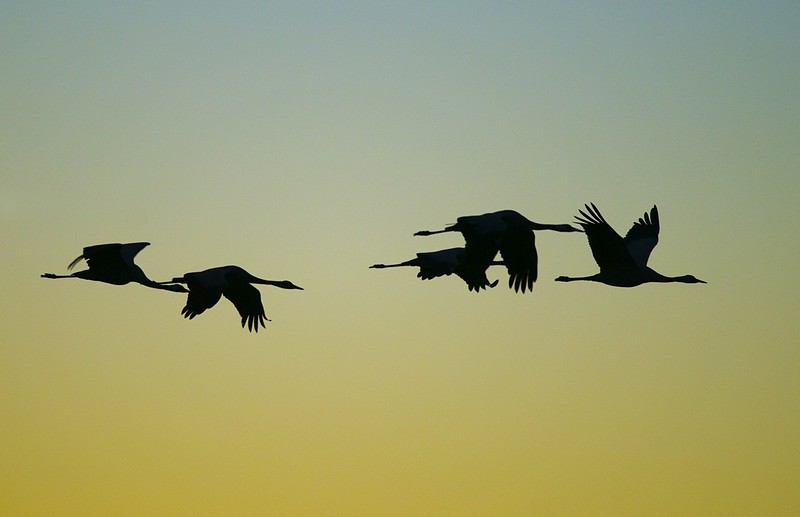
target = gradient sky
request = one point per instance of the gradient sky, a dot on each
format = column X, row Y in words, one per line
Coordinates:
column 306, row 141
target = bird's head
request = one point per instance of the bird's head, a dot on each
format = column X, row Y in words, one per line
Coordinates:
column 285, row 284
column 568, row 228
column 690, row 279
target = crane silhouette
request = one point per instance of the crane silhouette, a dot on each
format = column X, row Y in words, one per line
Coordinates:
column 508, row 232
column 235, row 284
column 113, row 264
column 623, row 262
column 433, row 264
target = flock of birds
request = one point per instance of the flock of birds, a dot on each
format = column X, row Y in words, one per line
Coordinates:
column 622, row 261
column 113, row 264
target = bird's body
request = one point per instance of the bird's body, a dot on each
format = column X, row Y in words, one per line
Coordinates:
column 508, row 232
column 623, row 261
column 113, row 264
column 433, row 264
column 235, row 284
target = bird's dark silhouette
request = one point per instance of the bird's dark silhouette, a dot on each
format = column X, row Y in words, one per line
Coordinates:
column 235, row 284
column 113, row 264
column 623, row 261
column 433, row 264
column 508, row 232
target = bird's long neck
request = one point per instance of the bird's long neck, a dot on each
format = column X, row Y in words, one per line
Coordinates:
column 591, row 278
column 554, row 227
column 434, row 232
column 654, row 276
column 262, row 281
column 283, row 284
column 51, row 275
column 384, row 266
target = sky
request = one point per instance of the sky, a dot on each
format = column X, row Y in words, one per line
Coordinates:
column 308, row 140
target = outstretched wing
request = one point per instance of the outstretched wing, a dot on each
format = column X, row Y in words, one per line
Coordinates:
column 518, row 249
column 482, row 236
column 473, row 272
column 433, row 264
column 608, row 248
column 475, row 278
column 200, row 299
column 110, row 256
column 100, row 256
column 247, row 300
column 643, row 237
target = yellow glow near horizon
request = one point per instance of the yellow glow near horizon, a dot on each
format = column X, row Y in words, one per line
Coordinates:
column 309, row 142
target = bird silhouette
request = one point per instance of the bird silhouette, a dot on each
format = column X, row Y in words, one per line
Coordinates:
column 505, row 231
column 623, row 262
column 235, row 284
column 433, row 264
column 113, row 264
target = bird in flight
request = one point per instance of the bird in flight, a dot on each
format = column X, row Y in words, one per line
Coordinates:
column 623, row 261
column 433, row 264
column 508, row 232
column 113, row 264
column 235, row 284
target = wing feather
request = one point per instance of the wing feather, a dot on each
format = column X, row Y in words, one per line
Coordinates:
column 247, row 300
column 643, row 237
column 608, row 247
column 200, row 299
column 518, row 249
column 433, row 264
